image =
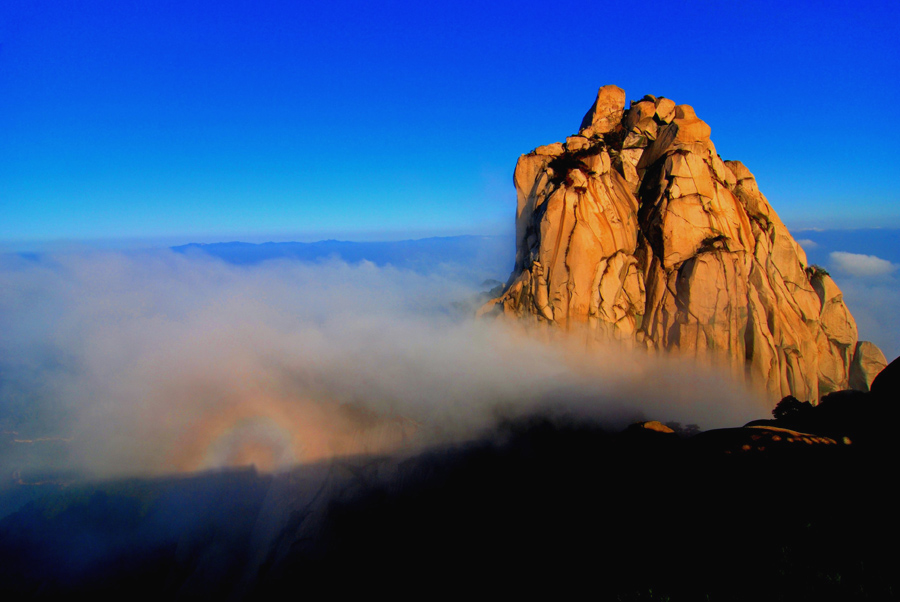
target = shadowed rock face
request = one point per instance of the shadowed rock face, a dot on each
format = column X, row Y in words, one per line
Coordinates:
column 637, row 231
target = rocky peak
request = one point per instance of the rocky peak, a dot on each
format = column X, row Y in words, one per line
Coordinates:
column 606, row 112
column 635, row 230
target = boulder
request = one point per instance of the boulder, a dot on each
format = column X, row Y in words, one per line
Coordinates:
column 665, row 110
column 868, row 362
column 605, row 113
column 655, row 425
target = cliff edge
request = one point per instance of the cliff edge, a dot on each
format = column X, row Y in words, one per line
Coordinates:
column 637, row 231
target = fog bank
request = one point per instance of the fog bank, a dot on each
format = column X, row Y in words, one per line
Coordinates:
column 158, row 362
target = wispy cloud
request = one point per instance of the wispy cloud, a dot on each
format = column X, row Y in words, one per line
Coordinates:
column 807, row 244
column 856, row 264
column 872, row 292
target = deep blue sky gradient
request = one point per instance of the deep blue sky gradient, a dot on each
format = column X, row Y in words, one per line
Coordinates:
column 197, row 120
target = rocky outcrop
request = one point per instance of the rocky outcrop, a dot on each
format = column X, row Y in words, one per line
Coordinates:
column 635, row 230
column 868, row 362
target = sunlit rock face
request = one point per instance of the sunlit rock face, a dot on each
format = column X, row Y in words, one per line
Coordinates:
column 868, row 362
column 636, row 230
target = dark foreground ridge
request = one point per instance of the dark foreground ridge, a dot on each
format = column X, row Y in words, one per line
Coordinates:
column 544, row 505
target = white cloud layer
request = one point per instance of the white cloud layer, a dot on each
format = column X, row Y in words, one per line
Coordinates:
column 856, row 264
column 158, row 362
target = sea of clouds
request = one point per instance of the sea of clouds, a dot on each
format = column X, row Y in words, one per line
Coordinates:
column 153, row 362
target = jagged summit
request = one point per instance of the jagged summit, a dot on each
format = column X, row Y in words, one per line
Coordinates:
column 638, row 231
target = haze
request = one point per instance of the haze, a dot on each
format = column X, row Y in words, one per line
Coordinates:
column 130, row 129
column 159, row 362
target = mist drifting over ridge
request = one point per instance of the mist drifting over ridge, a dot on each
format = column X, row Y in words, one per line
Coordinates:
column 157, row 362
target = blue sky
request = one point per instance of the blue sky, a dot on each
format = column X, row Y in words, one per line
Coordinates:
column 199, row 120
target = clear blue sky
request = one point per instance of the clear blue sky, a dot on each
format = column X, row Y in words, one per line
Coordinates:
column 204, row 120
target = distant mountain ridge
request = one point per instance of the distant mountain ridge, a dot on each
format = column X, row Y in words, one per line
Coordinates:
column 487, row 256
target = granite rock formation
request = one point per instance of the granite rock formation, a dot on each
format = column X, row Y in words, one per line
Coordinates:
column 635, row 230
column 868, row 362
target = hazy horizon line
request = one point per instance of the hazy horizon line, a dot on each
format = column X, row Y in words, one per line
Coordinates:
column 174, row 240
